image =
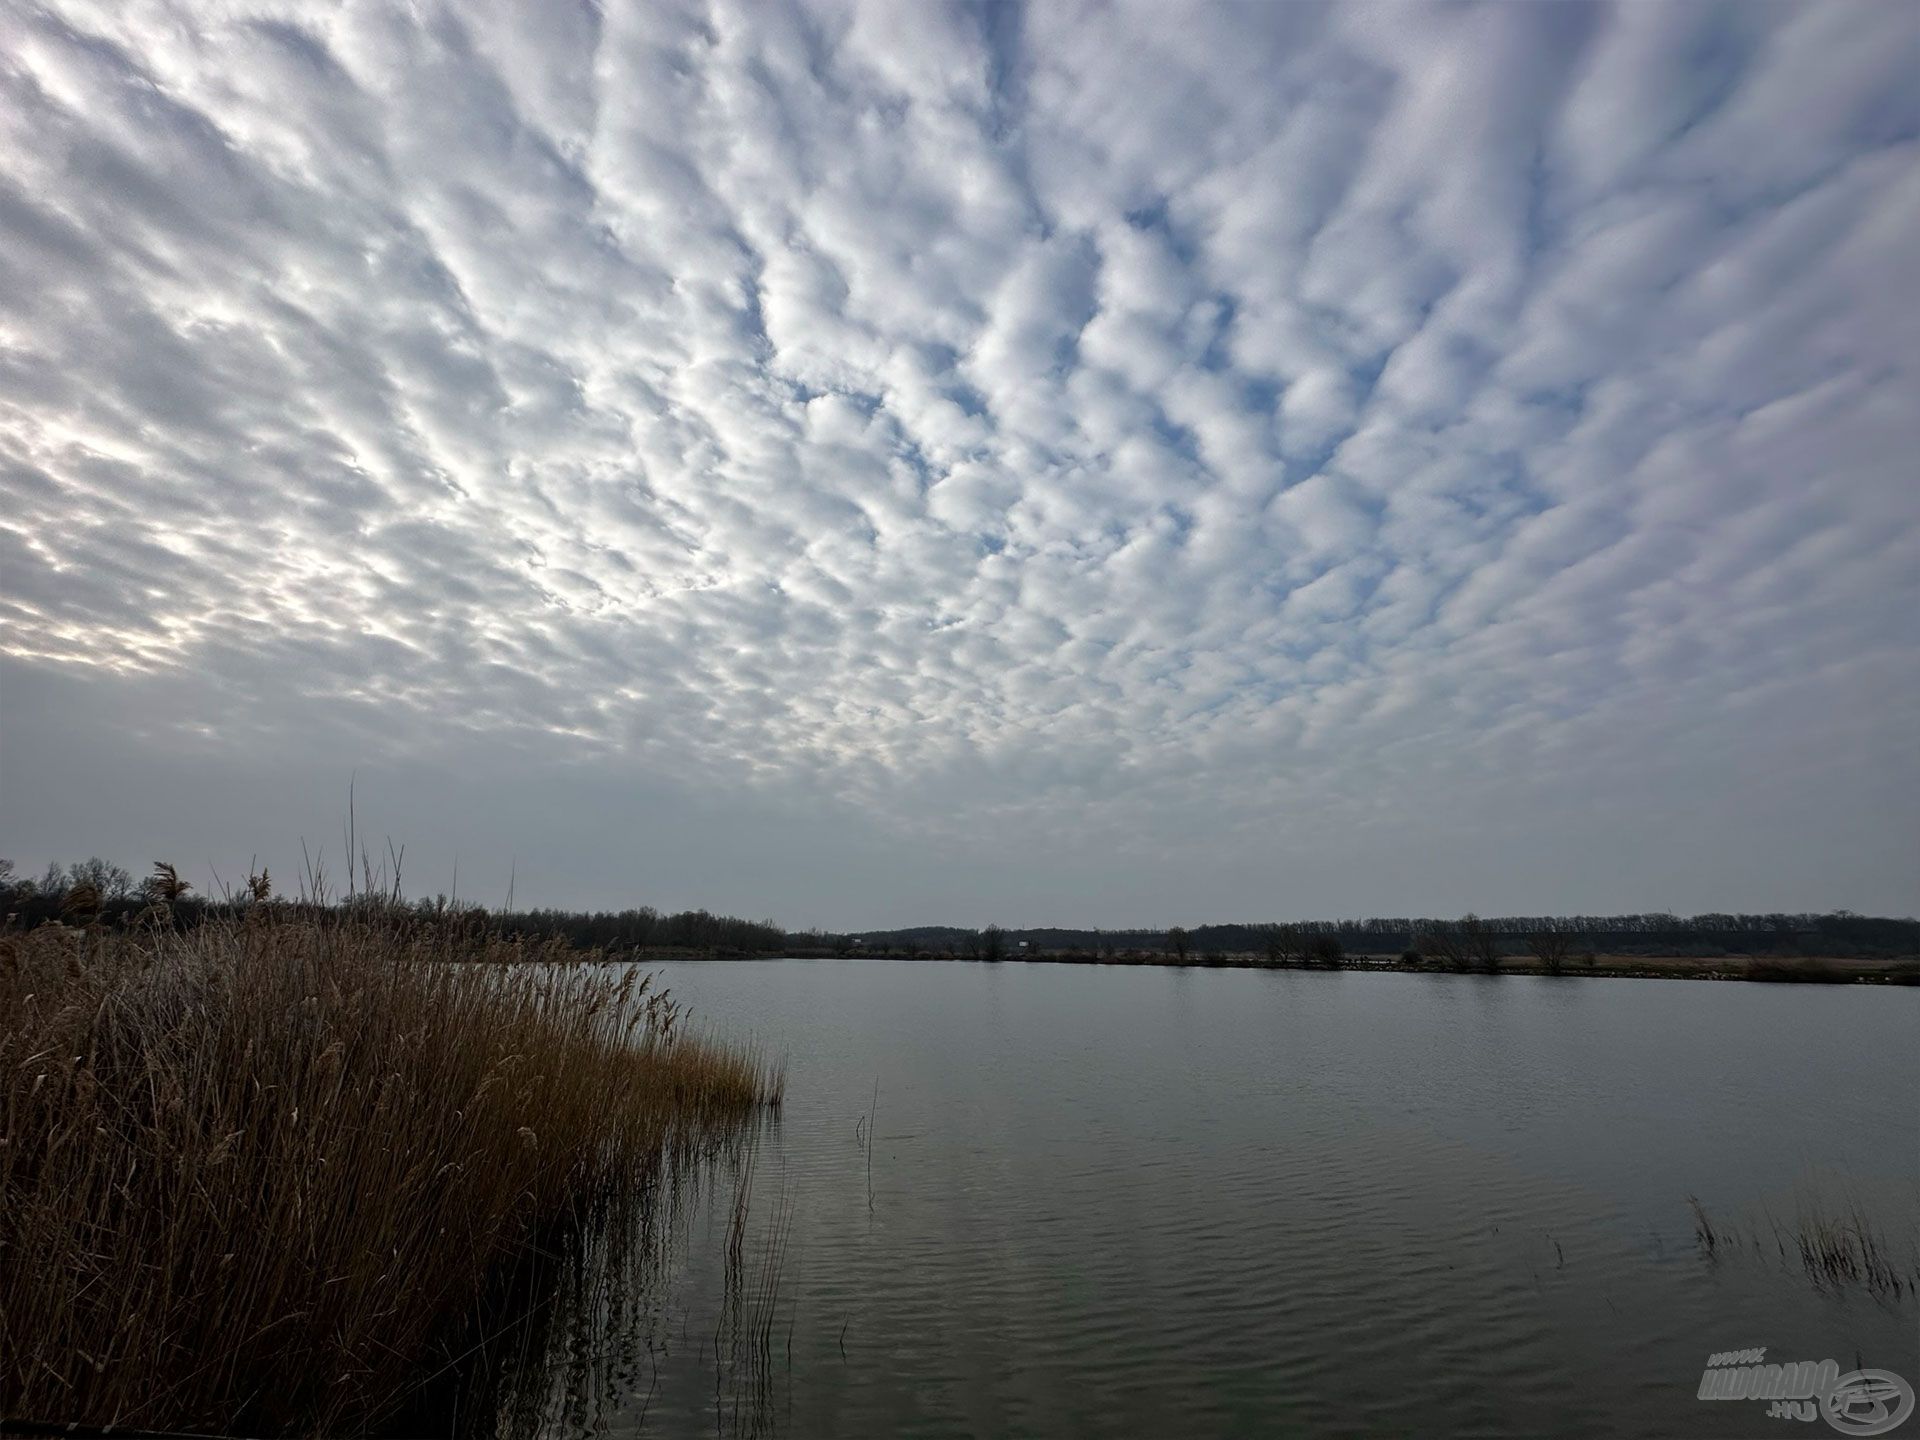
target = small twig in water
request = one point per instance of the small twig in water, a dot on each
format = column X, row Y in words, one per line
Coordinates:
column 870, row 1118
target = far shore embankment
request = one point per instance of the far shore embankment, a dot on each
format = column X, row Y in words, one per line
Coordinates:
column 1802, row 969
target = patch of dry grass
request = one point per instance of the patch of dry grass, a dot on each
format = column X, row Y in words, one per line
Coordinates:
column 1835, row 1240
column 1839, row 1248
column 251, row 1176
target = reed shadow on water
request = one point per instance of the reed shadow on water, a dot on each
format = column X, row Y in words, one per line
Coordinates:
column 574, row 1331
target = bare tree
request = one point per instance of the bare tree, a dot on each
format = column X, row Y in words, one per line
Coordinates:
column 1442, row 941
column 1550, row 948
column 1480, row 942
column 993, row 943
column 1179, row 943
column 109, row 882
column 1283, row 943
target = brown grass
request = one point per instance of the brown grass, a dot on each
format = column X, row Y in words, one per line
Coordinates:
column 1842, row 1247
column 260, row 1176
column 1834, row 1240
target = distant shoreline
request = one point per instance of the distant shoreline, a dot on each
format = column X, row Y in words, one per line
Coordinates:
column 1828, row 970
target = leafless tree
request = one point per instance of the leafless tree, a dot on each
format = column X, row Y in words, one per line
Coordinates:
column 109, row 881
column 1480, row 942
column 1443, row 942
column 1283, row 943
column 1550, row 948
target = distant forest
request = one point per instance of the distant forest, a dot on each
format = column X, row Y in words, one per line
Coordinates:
column 95, row 890
column 1840, row 933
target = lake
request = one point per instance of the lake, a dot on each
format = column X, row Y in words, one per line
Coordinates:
column 1156, row 1201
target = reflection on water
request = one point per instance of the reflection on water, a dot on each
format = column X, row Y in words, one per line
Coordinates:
column 578, row 1332
column 1151, row 1202
column 750, row 1326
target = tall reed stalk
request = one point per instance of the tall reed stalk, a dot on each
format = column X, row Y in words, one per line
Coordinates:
column 254, row 1176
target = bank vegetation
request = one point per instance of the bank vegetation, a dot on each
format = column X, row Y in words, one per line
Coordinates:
column 260, row 1175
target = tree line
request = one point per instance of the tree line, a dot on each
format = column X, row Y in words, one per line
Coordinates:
column 1839, row 932
column 96, row 891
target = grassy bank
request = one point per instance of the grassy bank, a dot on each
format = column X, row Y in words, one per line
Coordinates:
column 261, row 1176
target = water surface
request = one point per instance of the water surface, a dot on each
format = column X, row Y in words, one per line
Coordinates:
column 1155, row 1201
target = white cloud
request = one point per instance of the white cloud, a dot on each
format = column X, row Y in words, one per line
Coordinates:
column 1216, row 423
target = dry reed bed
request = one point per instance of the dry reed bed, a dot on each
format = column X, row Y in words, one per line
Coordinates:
column 253, row 1177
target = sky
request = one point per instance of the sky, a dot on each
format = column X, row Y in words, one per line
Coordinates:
column 890, row 464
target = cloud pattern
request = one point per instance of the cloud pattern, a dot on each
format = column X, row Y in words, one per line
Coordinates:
column 1223, row 424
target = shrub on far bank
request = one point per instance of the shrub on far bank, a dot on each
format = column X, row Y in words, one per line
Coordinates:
column 1796, row 969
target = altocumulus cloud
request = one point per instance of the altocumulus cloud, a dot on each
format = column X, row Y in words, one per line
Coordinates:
column 1080, row 463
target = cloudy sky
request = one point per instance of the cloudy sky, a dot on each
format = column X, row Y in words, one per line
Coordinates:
column 885, row 464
